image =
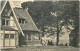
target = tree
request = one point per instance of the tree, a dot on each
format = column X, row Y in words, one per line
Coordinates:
column 41, row 13
column 70, row 16
column 67, row 15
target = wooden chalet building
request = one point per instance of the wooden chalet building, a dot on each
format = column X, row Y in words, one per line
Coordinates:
column 17, row 27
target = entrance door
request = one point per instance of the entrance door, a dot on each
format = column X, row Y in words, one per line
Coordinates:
column 9, row 39
column 6, row 39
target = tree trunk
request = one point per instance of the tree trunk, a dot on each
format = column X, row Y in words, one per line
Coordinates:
column 57, row 43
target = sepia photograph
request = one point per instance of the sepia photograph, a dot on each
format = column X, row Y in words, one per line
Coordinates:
column 39, row 25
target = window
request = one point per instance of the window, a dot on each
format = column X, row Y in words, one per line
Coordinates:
column 11, row 35
column 5, row 22
column 11, row 14
column 19, row 20
column 29, row 37
column 6, row 36
column 22, row 21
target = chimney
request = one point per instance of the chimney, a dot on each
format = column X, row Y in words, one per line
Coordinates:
column 26, row 9
column 17, row 4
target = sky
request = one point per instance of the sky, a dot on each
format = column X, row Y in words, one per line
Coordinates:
column 17, row 3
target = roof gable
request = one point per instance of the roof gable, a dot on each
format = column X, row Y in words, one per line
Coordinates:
column 6, row 10
column 14, row 16
column 3, row 3
column 23, row 13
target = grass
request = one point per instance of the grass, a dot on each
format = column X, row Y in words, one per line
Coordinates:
column 44, row 48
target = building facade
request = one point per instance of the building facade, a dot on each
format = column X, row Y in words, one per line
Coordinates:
column 17, row 27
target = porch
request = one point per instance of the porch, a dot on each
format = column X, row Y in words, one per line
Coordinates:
column 9, row 37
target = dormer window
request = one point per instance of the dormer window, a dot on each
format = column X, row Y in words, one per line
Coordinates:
column 22, row 21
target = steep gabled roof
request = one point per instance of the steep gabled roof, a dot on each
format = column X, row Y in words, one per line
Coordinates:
column 23, row 13
column 3, row 3
column 15, row 19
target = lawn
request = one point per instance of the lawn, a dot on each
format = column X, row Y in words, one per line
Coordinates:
column 44, row 48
